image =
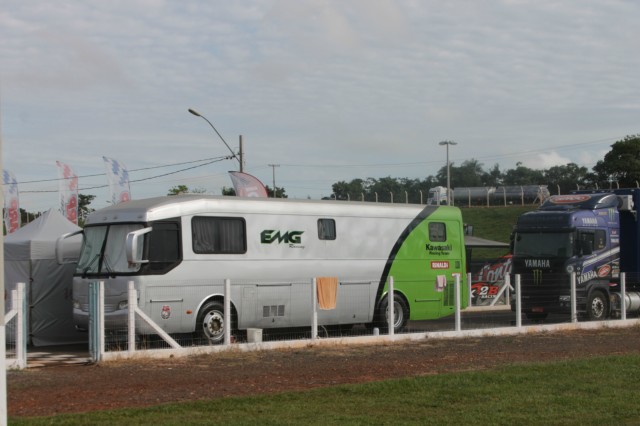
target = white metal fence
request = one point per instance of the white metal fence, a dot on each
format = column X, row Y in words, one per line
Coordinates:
column 124, row 341
column 16, row 329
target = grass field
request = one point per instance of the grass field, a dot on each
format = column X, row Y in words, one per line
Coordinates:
column 593, row 391
column 493, row 223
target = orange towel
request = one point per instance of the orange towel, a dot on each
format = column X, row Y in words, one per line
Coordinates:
column 327, row 290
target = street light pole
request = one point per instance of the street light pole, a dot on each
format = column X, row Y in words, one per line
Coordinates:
column 447, row 143
column 273, row 166
column 233, row 154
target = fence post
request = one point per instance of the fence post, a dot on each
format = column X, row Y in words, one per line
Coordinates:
column 469, row 299
column 391, row 317
column 507, row 292
column 314, row 309
column 457, row 302
column 227, row 311
column 131, row 310
column 20, row 305
column 518, row 303
column 96, row 320
column 623, row 296
column 574, row 310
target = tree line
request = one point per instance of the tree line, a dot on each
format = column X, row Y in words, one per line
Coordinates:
column 620, row 168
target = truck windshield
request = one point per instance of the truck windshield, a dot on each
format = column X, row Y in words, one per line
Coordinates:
column 103, row 250
column 557, row 244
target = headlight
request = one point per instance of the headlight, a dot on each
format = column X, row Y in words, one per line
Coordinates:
column 570, row 269
column 124, row 304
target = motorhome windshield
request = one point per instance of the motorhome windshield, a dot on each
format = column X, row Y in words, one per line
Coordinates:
column 103, row 250
column 556, row 244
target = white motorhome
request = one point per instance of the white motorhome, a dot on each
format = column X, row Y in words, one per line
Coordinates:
column 178, row 250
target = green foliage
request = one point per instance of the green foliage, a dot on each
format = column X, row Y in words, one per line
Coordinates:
column 384, row 190
column 280, row 192
column 184, row 189
column 83, row 207
column 594, row 391
column 619, row 168
column 621, row 164
column 522, row 175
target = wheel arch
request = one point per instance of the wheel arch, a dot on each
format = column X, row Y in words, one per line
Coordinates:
column 213, row 298
column 399, row 293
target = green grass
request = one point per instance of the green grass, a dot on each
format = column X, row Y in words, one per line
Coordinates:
column 493, row 223
column 594, row 391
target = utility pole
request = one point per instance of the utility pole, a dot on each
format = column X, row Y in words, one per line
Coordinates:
column 241, row 155
column 449, row 192
column 273, row 168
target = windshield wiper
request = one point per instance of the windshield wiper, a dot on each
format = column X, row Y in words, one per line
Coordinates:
column 86, row 270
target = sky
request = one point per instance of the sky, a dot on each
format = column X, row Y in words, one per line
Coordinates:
column 321, row 91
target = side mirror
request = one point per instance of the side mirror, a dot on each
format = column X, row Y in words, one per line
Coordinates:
column 134, row 246
column 60, row 248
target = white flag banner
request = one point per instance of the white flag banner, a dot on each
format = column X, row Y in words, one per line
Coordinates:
column 118, row 177
column 11, row 202
column 68, row 192
column 247, row 185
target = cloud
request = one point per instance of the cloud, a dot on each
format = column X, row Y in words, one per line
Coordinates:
column 339, row 85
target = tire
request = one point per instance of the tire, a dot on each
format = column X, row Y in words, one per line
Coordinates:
column 400, row 311
column 210, row 322
column 597, row 306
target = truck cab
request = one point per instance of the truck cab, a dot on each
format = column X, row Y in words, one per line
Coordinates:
column 580, row 233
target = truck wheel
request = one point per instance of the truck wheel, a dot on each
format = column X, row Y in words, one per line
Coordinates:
column 400, row 314
column 597, row 306
column 210, row 323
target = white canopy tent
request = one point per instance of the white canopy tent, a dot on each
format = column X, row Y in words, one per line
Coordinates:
column 30, row 257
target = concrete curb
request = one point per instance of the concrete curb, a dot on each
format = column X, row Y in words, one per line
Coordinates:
column 368, row 340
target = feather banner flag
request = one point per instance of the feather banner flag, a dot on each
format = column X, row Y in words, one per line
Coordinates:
column 247, row 185
column 118, row 177
column 68, row 192
column 11, row 202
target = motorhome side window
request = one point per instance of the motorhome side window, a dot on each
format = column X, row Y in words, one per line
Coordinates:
column 164, row 246
column 218, row 235
column 437, row 232
column 326, row 229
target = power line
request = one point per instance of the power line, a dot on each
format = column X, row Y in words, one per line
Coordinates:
column 214, row 159
column 217, row 159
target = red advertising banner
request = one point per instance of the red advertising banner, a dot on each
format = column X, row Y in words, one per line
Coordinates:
column 247, row 185
column 11, row 202
column 68, row 192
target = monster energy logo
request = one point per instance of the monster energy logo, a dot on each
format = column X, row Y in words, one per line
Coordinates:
column 537, row 276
